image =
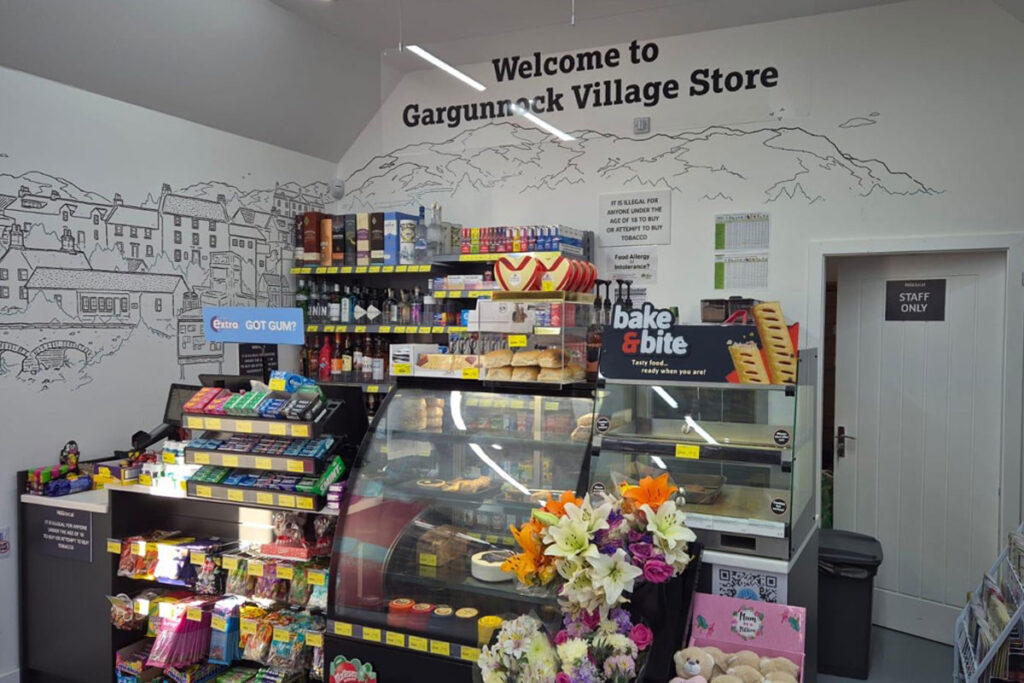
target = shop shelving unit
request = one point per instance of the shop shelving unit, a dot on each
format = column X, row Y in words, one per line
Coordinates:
column 968, row 665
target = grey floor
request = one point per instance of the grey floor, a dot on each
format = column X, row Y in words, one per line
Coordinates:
column 899, row 658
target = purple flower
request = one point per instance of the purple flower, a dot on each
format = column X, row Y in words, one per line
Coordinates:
column 635, row 536
column 641, row 636
column 614, row 519
column 590, row 619
column 586, row 672
column 562, row 677
column 657, row 571
column 561, row 637
column 622, row 620
column 575, row 629
column 641, row 552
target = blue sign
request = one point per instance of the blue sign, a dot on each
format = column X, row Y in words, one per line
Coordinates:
column 254, row 325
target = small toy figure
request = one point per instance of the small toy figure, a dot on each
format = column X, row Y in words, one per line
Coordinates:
column 69, row 455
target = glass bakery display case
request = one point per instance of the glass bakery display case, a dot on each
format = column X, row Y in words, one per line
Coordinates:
column 742, row 454
column 441, row 477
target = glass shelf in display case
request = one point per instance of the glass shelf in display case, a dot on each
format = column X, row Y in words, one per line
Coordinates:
column 742, row 454
column 437, row 485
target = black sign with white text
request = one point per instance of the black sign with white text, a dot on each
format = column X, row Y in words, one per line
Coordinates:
column 915, row 300
column 60, row 532
column 251, row 359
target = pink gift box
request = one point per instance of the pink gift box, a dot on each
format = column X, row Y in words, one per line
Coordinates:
column 733, row 624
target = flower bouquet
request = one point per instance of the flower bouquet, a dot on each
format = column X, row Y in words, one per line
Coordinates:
column 598, row 552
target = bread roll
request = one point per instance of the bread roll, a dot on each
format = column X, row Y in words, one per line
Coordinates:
column 552, row 358
column 585, row 420
column 525, row 374
column 525, row 358
column 570, row 373
column 497, row 359
column 502, row 373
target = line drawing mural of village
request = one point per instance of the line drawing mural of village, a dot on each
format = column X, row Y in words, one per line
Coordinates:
column 83, row 276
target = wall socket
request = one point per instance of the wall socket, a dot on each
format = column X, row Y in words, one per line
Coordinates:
column 641, row 125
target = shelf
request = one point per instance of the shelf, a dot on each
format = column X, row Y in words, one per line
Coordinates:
column 505, row 590
column 484, row 258
column 689, row 451
column 367, row 387
column 361, row 270
column 245, row 425
column 403, row 641
column 251, row 497
column 462, row 293
column 251, row 461
column 569, row 297
column 482, row 439
column 789, row 389
column 385, row 329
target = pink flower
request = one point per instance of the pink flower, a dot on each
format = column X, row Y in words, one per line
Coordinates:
column 590, row 619
column 562, row 677
column 641, row 636
column 641, row 552
column 561, row 637
column 657, row 571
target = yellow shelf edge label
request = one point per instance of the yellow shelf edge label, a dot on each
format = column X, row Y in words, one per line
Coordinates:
column 687, row 451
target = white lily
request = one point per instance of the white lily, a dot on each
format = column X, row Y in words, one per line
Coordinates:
column 569, row 538
column 614, row 573
column 668, row 524
column 593, row 518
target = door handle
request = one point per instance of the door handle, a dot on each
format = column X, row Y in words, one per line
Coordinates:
column 841, row 438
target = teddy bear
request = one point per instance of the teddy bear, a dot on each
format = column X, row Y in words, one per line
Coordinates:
column 693, row 665
column 726, row 678
column 721, row 659
column 780, row 677
column 772, row 664
column 745, row 673
column 745, row 657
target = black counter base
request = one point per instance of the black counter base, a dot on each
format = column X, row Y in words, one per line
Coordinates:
column 395, row 665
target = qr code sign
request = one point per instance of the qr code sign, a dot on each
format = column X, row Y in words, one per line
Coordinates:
column 748, row 585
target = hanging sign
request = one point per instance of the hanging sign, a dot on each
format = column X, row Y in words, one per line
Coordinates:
column 646, row 344
column 253, row 325
column 915, row 300
column 634, row 218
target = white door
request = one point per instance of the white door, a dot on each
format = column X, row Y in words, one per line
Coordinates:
column 923, row 401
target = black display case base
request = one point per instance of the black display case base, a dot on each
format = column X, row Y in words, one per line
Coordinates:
column 395, row 665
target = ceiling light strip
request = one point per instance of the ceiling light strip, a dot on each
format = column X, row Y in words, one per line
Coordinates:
column 445, row 66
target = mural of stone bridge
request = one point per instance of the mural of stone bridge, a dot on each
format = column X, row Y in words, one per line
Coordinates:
column 45, row 346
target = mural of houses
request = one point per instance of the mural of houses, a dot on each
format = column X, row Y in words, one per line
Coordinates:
column 133, row 230
column 277, row 232
column 192, row 228
column 113, row 296
column 226, row 281
column 291, row 202
column 84, row 219
column 19, row 262
column 274, row 290
column 193, row 348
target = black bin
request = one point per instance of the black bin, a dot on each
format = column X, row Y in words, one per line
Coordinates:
column 847, row 564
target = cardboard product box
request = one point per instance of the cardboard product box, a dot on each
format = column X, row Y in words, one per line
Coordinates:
column 376, row 238
column 512, row 317
column 362, row 239
column 311, row 236
column 338, row 240
column 734, row 624
column 118, row 471
column 350, row 239
column 392, row 237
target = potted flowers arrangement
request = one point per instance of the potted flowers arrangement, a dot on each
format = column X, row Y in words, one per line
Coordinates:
column 597, row 551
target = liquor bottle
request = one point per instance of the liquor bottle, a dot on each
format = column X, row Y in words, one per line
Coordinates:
column 434, row 231
column 346, row 358
column 373, row 307
column 403, row 308
column 378, row 361
column 337, row 364
column 391, row 307
column 324, row 360
column 357, row 359
column 345, row 307
column 416, row 307
column 421, row 253
column 359, row 311
column 334, row 308
column 367, row 374
column 302, row 297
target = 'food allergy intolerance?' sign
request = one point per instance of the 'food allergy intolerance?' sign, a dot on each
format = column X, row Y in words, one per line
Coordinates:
column 634, row 218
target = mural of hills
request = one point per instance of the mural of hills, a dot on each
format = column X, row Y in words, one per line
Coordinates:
column 776, row 163
column 43, row 183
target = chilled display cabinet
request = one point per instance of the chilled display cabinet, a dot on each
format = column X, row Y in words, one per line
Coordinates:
column 446, row 469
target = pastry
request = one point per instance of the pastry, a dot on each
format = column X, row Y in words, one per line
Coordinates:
column 585, row 420
column 570, row 373
column 497, row 359
column 486, row 566
column 504, row 372
column 435, row 361
column 463, row 362
column 430, row 483
column 443, row 542
column 526, row 374
column 552, row 358
column 778, row 345
column 525, row 358
column 746, row 358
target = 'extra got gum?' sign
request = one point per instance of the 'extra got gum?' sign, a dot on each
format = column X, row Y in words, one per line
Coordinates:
column 253, row 325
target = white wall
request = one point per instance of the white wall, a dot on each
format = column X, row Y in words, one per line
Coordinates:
column 932, row 91
column 56, row 137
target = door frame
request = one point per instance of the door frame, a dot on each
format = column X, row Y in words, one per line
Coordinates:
column 1011, row 469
